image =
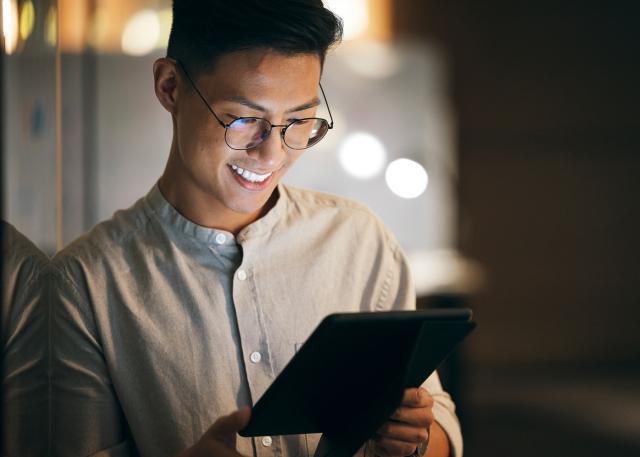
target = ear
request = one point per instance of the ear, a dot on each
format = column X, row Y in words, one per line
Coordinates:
column 165, row 76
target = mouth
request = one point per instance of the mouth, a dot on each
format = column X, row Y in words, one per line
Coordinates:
column 251, row 180
column 249, row 175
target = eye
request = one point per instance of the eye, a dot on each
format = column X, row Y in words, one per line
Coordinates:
column 245, row 123
column 247, row 120
column 301, row 122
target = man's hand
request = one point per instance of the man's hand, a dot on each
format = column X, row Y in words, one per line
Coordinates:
column 220, row 439
column 408, row 426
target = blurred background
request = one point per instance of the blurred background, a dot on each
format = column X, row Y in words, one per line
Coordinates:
column 499, row 141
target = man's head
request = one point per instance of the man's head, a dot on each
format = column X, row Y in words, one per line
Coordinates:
column 249, row 59
column 204, row 30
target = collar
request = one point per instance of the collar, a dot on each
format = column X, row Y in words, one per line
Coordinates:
column 212, row 236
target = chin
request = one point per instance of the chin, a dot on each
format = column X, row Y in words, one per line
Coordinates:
column 248, row 207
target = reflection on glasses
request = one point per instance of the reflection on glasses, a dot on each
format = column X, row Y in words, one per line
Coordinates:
column 248, row 132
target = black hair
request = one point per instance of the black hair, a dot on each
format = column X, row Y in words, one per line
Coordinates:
column 204, row 30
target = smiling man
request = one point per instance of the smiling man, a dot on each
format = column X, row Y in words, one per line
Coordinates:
column 173, row 316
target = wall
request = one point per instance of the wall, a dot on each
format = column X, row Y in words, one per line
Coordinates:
column 547, row 102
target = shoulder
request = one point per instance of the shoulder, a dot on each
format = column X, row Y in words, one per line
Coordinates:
column 24, row 267
column 312, row 199
column 106, row 241
column 333, row 212
column 19, row 253
column 306, row 203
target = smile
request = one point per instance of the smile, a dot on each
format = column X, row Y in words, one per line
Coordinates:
column 249, row 175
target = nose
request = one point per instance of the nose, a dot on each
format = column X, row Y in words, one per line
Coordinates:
column 271, row 151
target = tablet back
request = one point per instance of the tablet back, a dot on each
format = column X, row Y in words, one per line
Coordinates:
column 349, row 376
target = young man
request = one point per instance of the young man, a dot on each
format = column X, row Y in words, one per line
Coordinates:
column 187, row 305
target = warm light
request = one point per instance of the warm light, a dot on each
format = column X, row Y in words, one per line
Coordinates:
column 362, row 155
column 51, row 26
column 141, row 33
column 354, row 14
column 10, row 25
column 374, row 59
column 406, row 178
column 75, row 19
column 165, row 17
column 27, row 20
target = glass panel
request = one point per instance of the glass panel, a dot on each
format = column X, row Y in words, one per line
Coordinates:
column 29, row 118
column 30, row 157
column 116, row 136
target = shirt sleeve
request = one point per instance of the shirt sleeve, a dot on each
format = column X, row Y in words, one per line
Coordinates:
column 398, row 293
column 88, row 418
column 25, row 406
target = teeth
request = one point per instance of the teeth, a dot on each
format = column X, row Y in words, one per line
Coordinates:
column 250, row 175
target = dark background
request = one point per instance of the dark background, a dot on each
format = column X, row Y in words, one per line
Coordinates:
column 547, row 102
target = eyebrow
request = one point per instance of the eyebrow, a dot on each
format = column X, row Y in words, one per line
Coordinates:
column 248, row 103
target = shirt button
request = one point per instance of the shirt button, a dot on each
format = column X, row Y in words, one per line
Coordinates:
column 242, row 275
column 255, row 357
column 267, row 441
column 220, row 238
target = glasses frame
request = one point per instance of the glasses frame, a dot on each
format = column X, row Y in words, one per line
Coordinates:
column 271, row 126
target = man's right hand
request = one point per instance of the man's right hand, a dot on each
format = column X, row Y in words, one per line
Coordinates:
column 220, row 439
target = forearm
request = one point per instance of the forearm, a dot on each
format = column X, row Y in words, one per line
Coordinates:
column 438, row 442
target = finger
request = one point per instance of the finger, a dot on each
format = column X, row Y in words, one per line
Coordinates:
column 417, row 397
column 421, row 417
column 404, row 432
column 226, row 427
column 389, row 447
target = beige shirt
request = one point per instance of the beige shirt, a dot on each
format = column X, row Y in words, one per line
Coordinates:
column 161, row 325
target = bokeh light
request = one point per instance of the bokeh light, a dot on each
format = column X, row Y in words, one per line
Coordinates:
column 165, row 17
column 406, row 178
column 141, row 33
column 10, row 25
column 362, row 155
column 374, row 59
column 27, row 19
column 51, row 26
column 354, row 13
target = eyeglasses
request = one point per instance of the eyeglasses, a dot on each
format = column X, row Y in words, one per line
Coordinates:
column 248, row 132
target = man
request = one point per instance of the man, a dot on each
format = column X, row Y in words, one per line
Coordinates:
column 187, row 305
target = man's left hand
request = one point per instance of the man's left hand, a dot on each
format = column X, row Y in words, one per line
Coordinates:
column 408, row 426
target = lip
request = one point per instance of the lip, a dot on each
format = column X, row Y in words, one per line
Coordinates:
column 252, row 186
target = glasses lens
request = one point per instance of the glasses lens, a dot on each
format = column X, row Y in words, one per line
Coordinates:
column 247, row 132
column 304, row 133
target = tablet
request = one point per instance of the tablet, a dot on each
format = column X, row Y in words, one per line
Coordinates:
column 350, row 375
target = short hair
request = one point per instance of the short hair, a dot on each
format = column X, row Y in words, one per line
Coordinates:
column 204, row 30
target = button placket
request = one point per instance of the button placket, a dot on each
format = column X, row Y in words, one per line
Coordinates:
column 253, row 339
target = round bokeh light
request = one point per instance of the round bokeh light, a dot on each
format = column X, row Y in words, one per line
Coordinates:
column 362, row 155
column 141, row 33
column 406, row 178
column 354, row 14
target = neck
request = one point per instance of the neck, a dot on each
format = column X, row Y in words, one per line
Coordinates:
column 194, row 203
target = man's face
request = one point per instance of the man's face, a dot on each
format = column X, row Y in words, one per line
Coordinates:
column 255, row 83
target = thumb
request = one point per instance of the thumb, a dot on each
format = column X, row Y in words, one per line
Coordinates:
column 226, row 427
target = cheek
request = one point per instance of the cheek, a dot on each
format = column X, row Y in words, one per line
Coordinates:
column 201, row 141
column 294, row 155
